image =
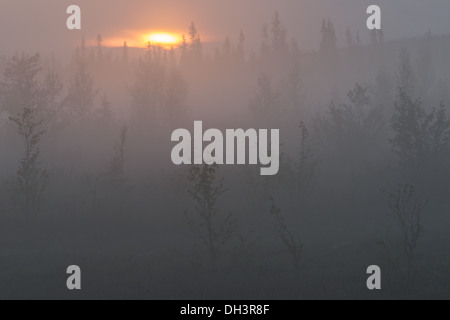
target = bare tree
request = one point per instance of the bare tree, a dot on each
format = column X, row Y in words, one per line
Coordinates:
column 293, row 245
column 31, row 179
column 207, row 225
column 408, row 210
column 307, row 167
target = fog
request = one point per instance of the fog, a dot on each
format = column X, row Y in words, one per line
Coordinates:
column 87, row 179
column 39, row 25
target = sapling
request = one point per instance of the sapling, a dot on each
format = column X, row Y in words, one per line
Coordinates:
column 293, row 245
column 212, row 229
column 408, row 210
column 31, row 179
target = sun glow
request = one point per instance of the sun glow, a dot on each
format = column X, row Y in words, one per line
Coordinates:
column 163, row 39
column 144, row 38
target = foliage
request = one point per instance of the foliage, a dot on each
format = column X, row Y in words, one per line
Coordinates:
column 356, row 124
column 421, row 138
column 20, row 87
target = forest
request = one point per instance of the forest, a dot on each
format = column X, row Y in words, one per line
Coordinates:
column 86, row 176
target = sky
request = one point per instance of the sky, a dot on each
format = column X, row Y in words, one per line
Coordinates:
column 41, row 25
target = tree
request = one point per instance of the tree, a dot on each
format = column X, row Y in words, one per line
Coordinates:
column 266, row 101
column 328, row 44
column 117, row 163
column 240, row 50
column 176, row 95
column 279, row 45
column 226, row 51
column 50, row 102
column 293, row 245
column 183, row 50
column 20, row 87
column 374, row 37
column 148, row 91
column 349, row 38
column 105, row 114
column 30, row 182
column 125, row 53
column 383, row 90
column 81, row 92
column 424, row 67
column 196, row 43
column 380, row 36
column 356, row 124
column 406, row 76
column 306, row 170
column 408, row 211
column 265, row 46
column 207, row 225
column 421, row 138
column 99, row 40
column 295, row 92
column 358, row 39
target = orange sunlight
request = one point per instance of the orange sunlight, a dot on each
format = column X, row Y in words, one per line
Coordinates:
column 141, row 39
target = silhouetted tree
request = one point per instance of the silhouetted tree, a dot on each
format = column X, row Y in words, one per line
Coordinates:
column 50, row 101
column 196, row 43
column 212, row 230
column 374, row 37
column 383, row 91
column 293, row 245
column 117, row 163
column 267, row 100
column 421, row 138
column 408, row 211
column 176, row 95
column 354, row 125
column 295, row 92
column 125, row 57
column 349, row 38
column 358, row 39
column 406, row 76
column 328, row 44
column 265, row 46
column 81, row 91
column 307, row 167
column 20, row 87
column 240, row 50
column 99, row 40
column 279, row 44
column 105, row 113
column 424, row 66
column 148, row 91
column 226, row 51
column 30, row 181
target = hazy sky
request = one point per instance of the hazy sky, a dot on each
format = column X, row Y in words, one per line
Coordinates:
column 41, row 24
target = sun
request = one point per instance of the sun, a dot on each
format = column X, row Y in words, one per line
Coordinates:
column 163, row 39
